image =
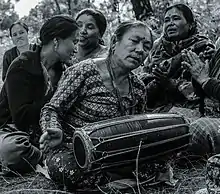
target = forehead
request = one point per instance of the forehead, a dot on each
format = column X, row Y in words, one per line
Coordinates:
column 140, row 32
column 173, row 11
column 17, row 27
column 86, row 18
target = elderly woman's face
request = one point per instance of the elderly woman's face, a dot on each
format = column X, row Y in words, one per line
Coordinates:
column 19, row 35
column 175, row 25
column 89, row 31
column 134, row 47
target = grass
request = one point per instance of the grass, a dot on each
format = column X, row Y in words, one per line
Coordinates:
column 189, row 179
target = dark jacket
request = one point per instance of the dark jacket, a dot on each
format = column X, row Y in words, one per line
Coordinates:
column 9, row 56
column 23, row 92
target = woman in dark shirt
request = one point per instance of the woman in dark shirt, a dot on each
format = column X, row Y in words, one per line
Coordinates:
column 19, row 35
column 30, row 82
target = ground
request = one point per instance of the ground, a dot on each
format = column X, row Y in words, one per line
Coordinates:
column 190, row 179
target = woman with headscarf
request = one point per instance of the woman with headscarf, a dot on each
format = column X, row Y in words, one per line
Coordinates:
column 30, row 82
column 19, row 35
column 91, row 91
column 92, row 25
column 170, row 84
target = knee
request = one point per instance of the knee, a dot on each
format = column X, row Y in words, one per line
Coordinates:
column 203, row 136
column 12, row 148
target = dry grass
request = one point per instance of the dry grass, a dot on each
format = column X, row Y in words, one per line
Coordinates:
column 190, row 180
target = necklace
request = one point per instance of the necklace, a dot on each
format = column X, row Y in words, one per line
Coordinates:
column 118, row 94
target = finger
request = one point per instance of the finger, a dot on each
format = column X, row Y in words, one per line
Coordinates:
column 52, row 132
column 194, row 58
column 186, row 65
column 46, row 148
column 43, row 137
column 43, row 144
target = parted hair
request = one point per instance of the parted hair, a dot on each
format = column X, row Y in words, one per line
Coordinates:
column 61, row 26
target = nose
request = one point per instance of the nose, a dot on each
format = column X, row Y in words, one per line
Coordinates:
column 140, row 48
column 83, row 30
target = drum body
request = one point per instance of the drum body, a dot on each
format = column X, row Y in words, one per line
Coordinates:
column 120, row 141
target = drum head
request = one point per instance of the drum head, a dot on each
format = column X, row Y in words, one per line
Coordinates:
column 82, row 148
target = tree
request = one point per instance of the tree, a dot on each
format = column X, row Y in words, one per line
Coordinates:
column 7, row 14
column 142, row 9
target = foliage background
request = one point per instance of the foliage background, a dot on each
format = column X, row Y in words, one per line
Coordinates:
column 207, row 13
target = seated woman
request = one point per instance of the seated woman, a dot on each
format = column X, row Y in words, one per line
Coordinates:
column 92, row 25
column 19, row 35
column 94, row 90
column 169, row 84
column 30, row 82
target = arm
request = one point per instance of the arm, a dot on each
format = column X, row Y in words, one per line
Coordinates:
column 212, row 88
column 5, row 65
column 64, row 97
column 24, row 110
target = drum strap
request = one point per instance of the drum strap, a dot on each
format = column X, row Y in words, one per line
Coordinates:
column 117, row 92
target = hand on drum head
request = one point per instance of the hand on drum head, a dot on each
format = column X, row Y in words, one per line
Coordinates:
column 50, row 139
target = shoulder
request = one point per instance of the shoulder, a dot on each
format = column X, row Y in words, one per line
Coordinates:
column 86, row 67
column 28, row 61
column 10, row 51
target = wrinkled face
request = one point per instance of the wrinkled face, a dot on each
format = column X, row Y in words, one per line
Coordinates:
column 134, row 47
column 89, row 31
column 19, row 35
column 67, row 47
column 175, row 25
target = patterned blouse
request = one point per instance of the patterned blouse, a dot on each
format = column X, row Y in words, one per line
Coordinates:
column 82, row 98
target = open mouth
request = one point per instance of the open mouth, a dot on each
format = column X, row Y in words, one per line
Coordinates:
column 171, row 30
column 82, row 38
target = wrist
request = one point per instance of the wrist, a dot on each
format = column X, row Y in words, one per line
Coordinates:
column 204, row 82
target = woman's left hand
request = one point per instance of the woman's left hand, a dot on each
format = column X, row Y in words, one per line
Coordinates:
column 198, row 69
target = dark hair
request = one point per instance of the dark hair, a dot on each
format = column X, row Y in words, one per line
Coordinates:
column 98, row 16
column 188, row 14
column 123, row 28
column 18, row 23
column 61, row 26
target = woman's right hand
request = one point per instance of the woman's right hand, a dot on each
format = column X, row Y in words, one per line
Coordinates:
column 160, row 74
column 50, row 139
column 198, row 69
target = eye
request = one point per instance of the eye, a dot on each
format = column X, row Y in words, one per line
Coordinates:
column 91, row 26
column 15, row 34
column 166, row 20
column 177, row 18
column 80, row 24
column 134, row 40
column 21, row 32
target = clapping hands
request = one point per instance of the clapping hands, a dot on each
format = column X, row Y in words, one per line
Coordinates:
column 198, row 69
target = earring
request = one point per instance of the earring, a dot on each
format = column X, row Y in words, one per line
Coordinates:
column 55, row 44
